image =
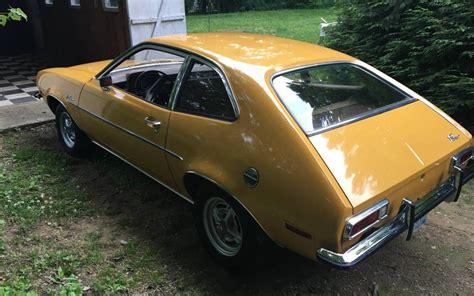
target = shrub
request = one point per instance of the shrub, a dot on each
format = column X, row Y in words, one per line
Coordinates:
column 427, row 45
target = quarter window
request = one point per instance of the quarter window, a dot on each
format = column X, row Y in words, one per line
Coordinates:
column 203, row 93
column 111, row 5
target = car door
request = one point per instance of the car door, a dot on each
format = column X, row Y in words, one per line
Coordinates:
column 202, row 126
column 129, row 121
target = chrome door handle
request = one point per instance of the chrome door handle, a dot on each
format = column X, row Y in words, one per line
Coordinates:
column 153, row 123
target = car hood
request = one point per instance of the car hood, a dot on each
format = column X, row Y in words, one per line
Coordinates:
column 91, row 68
column 370, row 157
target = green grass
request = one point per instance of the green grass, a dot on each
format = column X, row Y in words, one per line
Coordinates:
column 300, row 24
column 35, row 186
column 38, row 191
column 39, row 188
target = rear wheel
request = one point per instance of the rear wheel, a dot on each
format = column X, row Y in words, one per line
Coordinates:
column 227, row 231
column 73, row 140
column 222, row 226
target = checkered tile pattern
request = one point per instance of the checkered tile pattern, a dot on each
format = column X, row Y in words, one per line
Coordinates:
column 17, row 78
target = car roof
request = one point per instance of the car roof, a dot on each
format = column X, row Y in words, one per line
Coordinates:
column 249, row 52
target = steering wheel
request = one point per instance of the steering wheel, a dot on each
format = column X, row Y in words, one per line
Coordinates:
column 146, row 80
column 154, row 95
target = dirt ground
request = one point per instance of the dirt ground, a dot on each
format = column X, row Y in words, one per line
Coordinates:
column 439, row 260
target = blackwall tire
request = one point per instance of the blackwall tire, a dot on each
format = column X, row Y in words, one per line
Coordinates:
column 235, row 243
column 72, row 139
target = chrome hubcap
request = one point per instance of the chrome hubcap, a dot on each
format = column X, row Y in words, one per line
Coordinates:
column 67, row 130
column 222, row 226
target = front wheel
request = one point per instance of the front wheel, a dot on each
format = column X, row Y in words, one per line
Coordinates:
column 73, row 140
column 228, row 232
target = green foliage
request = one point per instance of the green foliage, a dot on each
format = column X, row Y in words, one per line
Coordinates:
column 428, row 45
column 20, row 287
column 69, row 285
column 110, row 280
column 14, row 14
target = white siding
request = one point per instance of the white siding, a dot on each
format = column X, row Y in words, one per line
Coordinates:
column 151, row 18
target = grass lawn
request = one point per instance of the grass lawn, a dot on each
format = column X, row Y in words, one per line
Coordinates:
column 301, row 24
column 42, row 193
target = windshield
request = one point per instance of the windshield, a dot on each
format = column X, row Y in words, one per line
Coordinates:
column 323, row 96
column 149, row 57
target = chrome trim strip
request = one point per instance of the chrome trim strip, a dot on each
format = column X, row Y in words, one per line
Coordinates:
column 131, row 51
column 233, row 196
column 286, row 71
column 408, row 215
column 374, row 112
column 142, row 171
column 133, row 134
column 178, row 82
column 140, row 66
column 361, row 216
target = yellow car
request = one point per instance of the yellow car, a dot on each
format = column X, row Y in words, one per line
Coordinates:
column 268, row 137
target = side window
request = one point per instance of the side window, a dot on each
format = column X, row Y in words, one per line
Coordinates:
column 75, row 3
column 203, row 93
column 149, row 74
column 110, row 5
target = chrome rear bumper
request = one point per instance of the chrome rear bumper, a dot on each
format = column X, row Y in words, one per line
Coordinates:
column 409, row 214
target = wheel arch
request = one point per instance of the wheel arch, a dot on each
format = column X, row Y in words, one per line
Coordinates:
column 53, row 102
column 192, row 180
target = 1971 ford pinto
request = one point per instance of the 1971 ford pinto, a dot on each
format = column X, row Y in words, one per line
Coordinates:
column 310, row 147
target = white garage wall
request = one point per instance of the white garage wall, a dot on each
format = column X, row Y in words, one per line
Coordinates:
column 151, row 18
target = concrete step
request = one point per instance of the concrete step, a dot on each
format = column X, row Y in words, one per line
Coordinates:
column 17, row 116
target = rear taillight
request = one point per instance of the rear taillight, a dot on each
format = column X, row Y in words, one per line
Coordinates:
column 464, row 159
column 365, row 220
column 461, row 161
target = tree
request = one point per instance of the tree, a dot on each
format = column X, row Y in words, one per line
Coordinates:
column 428, row 45
column 13, row 14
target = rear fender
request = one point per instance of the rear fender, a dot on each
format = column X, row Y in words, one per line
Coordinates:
column 217, row 179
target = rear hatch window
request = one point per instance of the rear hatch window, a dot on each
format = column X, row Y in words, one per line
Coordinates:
column 327, row 96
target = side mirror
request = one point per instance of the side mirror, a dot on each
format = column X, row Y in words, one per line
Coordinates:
column 105, row 81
